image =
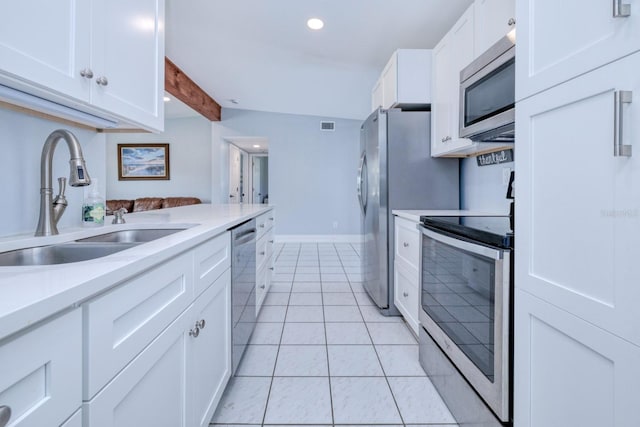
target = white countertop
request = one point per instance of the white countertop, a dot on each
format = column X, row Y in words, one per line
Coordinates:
column 32, row 293
column 414, row 215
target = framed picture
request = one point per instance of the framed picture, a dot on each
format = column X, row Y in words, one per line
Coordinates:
column 143, row 161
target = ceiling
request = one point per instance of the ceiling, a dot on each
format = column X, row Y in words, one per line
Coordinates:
column 250, row 144
column 261, row 54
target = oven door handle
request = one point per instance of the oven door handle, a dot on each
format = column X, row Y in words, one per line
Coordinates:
column 463, row 244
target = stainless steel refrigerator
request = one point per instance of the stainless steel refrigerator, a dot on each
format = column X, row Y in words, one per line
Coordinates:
column 396, row 171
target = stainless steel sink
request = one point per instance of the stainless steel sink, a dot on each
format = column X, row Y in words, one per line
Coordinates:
column 141, row 235
column 60, row 254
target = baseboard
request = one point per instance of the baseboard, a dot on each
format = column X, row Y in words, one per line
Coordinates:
column 318, row 238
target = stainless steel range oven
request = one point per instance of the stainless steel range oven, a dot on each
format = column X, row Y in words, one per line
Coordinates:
column 466, row 295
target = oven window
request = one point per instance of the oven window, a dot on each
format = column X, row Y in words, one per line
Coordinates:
column 458, row 293
column 491, row 95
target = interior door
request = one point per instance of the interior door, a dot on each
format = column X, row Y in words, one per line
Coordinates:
column 234, row 174
column 255, row 181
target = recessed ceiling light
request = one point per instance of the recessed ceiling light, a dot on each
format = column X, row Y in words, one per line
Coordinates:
column 167, row 99
column 256, row 146
column 315, row 23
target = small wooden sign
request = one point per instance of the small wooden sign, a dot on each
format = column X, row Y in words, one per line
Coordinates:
column 502, row 156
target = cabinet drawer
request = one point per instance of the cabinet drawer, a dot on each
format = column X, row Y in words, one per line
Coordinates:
column 406, row 296
column 41, row 373
column 262, row 252
column 265, row 222
column 124, row 321
column 152, row 389
column 407, row 241
column 211, row 259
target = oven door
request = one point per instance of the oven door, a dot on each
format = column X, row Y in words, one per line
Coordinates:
column 465, row 307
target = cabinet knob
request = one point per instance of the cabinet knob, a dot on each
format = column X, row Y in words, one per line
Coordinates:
column 511, row 22
column 263, row 286
column 201, row 324
column 261, row 225
column 102, row 81
column 5, row 415
column 405, row 244
column 270, row 241
column 404, row 294
column 271, row 219
column 262, row 252
column 194, row 332
column 87, row 73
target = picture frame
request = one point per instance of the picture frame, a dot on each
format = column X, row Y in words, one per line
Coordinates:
column 143, row 162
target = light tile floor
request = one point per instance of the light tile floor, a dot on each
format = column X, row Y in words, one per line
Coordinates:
column 322, row 354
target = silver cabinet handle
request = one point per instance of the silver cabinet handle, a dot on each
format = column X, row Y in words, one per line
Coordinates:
column 405, row 294
column 262, row 252
column 621, row 97
column 621, row 10
column 271, row 219
column 511, row 22
column 261, row 225
column 446, row 139
column 201, row 324
column 263, row 286
column 271, row 268
column 102, row 81
column 194, row 332
column 405, row 244
column 5, row 415
column 87, row 73
column 270, row 241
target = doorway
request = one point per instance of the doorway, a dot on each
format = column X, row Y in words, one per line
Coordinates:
column 238, row 166
column 259, row 178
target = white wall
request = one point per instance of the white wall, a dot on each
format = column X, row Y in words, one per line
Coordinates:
column 21, row 139
column 312, row 173
column 189, row 156
column 482, row 188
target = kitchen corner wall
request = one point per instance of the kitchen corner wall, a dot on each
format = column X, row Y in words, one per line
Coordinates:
column 189, row 161
column 482, row 188
column 312, row 173
column 21, row 139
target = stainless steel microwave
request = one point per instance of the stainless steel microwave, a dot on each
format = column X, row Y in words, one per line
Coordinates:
column 487, row 94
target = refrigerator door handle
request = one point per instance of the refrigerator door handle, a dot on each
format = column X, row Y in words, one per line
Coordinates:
column 362, row 194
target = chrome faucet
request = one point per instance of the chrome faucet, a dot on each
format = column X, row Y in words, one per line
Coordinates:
column 51, row 210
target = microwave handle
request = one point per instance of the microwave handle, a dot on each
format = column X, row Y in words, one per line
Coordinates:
column 463, row 244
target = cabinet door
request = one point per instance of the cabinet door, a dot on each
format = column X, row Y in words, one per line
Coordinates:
column 210, row 351
column 41, row 373
column 390, row 82
column 577, row 204
column 492, row 21
column 151, row 390
column 561, row 40
column 406, row 298
column 407, row 242
column 454, row 52
column 377, row 97
column 47, row 44
column 128, row 51
column 569, row 372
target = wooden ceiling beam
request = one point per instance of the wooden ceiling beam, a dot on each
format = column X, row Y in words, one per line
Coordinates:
column 178, row 84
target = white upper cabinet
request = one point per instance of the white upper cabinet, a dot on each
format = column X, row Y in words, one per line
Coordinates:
column 105, row 58
column 49, row 48
column 559, row 40
column 128, row 53
column 405, row 80
column 493, row 20
column 454, row 52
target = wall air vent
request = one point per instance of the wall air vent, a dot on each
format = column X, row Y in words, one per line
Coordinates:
column 328, row 126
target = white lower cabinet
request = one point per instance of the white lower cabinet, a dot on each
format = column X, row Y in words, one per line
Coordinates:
column 41, row 373
column 179, row 378
column 151, row 390
column 406, row 297
column 406, row 277
column 209, row 354
column 264, row 256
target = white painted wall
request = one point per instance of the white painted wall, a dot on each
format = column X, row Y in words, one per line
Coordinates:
column 482, row 188
column 189, row 155
column 311, row 173
column 21, row 139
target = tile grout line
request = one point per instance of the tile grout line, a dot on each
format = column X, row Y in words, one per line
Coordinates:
column 326, row 342
column 275, row 364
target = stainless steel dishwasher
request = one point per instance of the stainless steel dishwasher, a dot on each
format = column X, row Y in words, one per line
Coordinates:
column 243, row 288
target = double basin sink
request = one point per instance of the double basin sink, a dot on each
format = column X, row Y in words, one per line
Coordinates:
column 83, row 249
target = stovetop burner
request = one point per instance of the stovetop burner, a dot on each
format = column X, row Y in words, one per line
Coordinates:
column 489, row 230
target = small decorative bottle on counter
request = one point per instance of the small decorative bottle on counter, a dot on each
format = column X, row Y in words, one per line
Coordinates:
column 93, row 207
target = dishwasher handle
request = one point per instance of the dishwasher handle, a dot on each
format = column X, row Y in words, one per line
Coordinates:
column 244, row 237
